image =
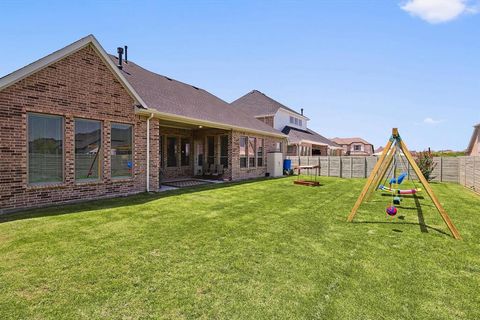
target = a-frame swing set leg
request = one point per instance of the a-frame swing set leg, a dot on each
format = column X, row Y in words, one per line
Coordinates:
column 430, row 192
column 379, row 172
column 369, row 181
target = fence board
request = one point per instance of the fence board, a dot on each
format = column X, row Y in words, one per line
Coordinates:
column 463, row 170
column 476, row 185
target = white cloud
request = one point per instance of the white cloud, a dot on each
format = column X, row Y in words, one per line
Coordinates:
column 429, row 120
column 438, row 11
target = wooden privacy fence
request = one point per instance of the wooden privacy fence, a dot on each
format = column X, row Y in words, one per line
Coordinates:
column 469, row 172
column 463, row 170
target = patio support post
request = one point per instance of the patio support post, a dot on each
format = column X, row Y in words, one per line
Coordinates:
column 148, row 151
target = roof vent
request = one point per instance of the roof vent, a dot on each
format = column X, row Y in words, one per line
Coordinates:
column 126, row 59
column 301, row 110
column 169, row 79
column 195, row 88
column 120, row 56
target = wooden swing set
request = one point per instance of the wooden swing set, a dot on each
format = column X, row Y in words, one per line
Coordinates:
column 394, row 144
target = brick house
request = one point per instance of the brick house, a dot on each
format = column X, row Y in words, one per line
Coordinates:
column 355, row 146
column 474, row 145
column 80, row 124
column 302, row 141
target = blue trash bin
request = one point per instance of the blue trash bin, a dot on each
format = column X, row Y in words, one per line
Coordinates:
column 287, row 164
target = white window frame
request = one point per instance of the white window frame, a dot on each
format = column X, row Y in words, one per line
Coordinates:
column 100, row 151
column 133, row 151
column 63, row 149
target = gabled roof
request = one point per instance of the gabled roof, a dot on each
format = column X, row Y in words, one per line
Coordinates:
column 350, row 140
column 308, row 136
column 169, row 97
column 156, row 94
column 379, row 150
column 475, row 134
column 50, row 59
column 256, row 103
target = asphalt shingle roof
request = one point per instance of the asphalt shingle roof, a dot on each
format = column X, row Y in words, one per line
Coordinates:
column 350, row 140
column 296, row 135
column 256, row 103
column 174, row 97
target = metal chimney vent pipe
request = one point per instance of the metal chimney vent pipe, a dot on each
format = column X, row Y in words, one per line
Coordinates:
column 120, row 56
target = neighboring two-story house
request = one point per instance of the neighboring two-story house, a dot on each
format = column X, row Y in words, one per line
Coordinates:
column 355, row 146
column 302, row 141
column 474, row 145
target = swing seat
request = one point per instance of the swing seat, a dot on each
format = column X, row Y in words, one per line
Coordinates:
column 398, row 191
column 399, row 179
column 397, row 200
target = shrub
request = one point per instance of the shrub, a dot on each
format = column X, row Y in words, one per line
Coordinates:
column 425, row 162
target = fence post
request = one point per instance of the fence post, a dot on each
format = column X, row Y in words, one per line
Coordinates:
column 474, row 173
column 340, row 167
column 328, row 166
column 351, row 168
column 441, row 169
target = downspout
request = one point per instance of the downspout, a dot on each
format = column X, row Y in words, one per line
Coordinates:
column 148, row 152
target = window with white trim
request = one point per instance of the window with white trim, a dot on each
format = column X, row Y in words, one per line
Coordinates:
column 88, row 149
column 260, row 152
column 243, row 151
column 121, row 154
column 45, row 148
column 251, row 152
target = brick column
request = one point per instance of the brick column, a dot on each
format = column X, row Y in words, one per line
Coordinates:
column 69, row 147
column 154, row 155
column 107, row 133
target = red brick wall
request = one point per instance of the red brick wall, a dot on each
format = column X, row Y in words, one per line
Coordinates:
column 80, row 85
column 256, row 172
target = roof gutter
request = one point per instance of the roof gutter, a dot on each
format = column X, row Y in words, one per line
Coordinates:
column 192, row 121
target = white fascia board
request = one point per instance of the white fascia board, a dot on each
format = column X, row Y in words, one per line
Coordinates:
column 314, row 142
column 44, row 62
column 265, row 115
column 205, row 123
column 56, row 56
column 295, row 114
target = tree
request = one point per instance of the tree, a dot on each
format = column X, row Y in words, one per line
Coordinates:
column 426, row 164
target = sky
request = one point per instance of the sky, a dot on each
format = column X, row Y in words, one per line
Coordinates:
column 357, row 67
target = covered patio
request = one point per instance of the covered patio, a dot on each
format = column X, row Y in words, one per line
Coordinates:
column 193, row 152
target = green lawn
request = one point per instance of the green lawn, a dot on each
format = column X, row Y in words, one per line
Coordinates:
column 259, row 250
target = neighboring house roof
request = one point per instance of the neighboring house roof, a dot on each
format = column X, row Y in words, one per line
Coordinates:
column 473, row 139
column 154, row 93
column 343, row 141
column 173, row 97
column 308, row 136
column 256, row 103
column 378, row 151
